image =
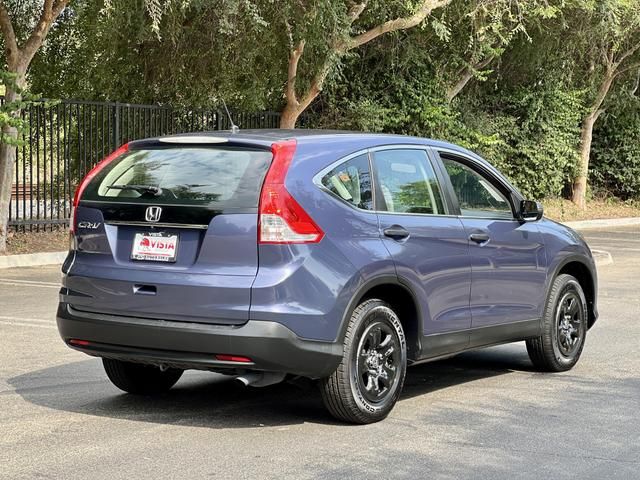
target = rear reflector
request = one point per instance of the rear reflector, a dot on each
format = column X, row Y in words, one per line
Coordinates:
column 80, row 343
column 233, row 358
column 282, row 219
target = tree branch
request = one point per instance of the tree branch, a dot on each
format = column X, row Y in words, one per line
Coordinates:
column 50, row 11
column 402, row 23
column 356, row 10
column 605, row 86
column 466, row 74
column 10, row 42
column 315, row 88
column 633, row 66
column 294, row 58
column 627, row 54
column 636, row 83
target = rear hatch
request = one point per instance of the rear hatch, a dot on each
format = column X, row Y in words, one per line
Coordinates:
column 169, row 231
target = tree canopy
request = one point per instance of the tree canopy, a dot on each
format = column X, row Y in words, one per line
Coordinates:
column 530, row 84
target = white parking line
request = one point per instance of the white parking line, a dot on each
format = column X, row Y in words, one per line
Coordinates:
column 612, row 239
column 25, row 283
column 29, row 281
column 10, row 318
column 22, row 323
column 613, row 248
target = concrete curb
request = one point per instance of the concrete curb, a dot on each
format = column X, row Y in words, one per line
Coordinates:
column 603, row 223
column 32, row 259
column 602, row 257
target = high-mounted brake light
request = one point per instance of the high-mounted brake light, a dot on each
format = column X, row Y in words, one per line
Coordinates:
column 282, row 219
column 90, row 176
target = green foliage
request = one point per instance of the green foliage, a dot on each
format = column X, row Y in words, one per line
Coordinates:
column 8, row 117
column 615, row 167
column 522, row 109
column 533, row 134
column 530, row 132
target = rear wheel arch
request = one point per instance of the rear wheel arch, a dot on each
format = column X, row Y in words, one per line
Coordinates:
column 402, row 301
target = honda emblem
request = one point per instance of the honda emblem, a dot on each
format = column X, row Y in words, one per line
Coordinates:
column 153, row 214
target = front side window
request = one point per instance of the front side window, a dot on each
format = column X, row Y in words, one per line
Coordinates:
column 408, row 183
column 477, row 196
column 351, row 181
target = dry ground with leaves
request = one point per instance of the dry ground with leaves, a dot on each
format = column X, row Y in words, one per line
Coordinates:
column 563, row 210
column 34, row 242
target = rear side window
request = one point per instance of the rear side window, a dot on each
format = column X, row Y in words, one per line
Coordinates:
column 351, row 181
column 224, row 177
column 407, row 182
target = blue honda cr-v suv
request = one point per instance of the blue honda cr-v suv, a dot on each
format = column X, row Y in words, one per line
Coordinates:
column 340, row 257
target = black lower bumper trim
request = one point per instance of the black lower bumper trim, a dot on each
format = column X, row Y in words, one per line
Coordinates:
column 270, row 345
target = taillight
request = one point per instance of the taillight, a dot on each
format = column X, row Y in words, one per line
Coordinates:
column 90, row 176
column 282, row 219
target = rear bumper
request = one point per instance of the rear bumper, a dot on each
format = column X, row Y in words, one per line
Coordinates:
column 271, row 346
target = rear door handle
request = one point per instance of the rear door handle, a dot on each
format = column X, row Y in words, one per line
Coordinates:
column 479, row 237
column 396, row 232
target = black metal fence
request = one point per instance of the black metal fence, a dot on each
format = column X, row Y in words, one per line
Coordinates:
column 66, row 139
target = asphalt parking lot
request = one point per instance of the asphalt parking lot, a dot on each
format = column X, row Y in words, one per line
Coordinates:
column 483, row 414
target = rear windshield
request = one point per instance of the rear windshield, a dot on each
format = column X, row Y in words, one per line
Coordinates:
column 223, row 177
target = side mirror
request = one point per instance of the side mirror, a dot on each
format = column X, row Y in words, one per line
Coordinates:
column 530, row 211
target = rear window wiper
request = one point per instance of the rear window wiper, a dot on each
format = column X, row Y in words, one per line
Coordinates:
column 138, row 188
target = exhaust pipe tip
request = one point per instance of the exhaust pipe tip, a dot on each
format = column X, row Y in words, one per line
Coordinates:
column 243, row 380
column 260, row 379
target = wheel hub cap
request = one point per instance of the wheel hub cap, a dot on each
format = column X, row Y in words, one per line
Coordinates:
column 570, row 321
column 378, row 357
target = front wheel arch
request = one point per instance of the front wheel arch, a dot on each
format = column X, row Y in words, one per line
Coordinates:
column 576, row 266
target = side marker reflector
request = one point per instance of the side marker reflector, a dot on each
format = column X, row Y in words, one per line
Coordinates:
column 233, row 358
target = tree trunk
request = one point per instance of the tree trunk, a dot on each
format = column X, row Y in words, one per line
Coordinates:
column 289, row 116
column 586, row 135
column 580, row 182
column 7, row 166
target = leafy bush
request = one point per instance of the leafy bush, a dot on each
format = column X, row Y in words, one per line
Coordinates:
column 615, row 157
column 530, row 133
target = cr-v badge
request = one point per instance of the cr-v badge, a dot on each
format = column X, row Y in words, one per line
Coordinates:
column 153, row 214
column 89, row 225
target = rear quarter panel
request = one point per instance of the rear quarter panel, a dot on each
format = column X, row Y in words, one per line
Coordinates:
column 309, row 288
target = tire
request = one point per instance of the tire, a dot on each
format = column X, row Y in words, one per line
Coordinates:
column 140, row 379
column 564, row 327
column 369, row 379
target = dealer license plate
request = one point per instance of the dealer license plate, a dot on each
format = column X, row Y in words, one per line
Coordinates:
column 155, row 247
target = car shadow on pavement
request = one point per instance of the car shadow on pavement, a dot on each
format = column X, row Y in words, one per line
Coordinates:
column 210, row 400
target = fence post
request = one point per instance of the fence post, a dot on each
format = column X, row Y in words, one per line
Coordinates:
column 116, row 125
